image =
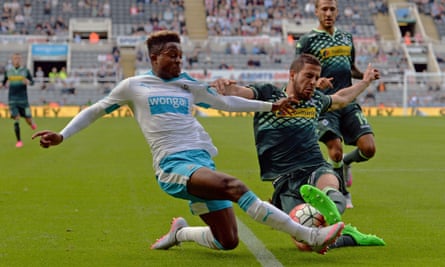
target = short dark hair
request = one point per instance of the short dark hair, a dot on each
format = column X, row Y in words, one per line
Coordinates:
column 157, row 40
column 317, row 2
column 302, row 59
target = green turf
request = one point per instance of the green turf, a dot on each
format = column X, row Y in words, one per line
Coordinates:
column 94, row 201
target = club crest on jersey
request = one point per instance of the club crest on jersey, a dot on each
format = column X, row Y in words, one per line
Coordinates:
column 185, row 86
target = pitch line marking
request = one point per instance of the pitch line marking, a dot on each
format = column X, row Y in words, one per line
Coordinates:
column 261, row 253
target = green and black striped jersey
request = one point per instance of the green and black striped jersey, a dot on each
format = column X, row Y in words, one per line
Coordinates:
column 335, row 52
column 17, row 88
column 287, row 142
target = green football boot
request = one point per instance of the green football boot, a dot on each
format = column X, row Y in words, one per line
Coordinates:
column 362, row 239
column 319, row 200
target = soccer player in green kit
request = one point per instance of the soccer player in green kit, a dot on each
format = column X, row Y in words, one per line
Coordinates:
column 287, row 146
column 18, row 78
column 334, row 49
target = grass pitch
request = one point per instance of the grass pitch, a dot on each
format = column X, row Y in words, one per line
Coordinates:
column 93, row 201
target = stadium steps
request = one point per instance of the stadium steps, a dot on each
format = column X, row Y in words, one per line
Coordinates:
column 381, row 23
column 128, row 59
column 195, row 19
column 430, row 27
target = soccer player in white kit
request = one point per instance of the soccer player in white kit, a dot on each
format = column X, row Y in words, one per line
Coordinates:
column 162, row 102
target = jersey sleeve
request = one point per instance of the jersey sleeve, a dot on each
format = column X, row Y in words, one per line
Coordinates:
column 352, row 49
column 113, row 101
column 325, row 100
column 5, row 78
column 302, row 45
column 29, row 77
column 209, row 98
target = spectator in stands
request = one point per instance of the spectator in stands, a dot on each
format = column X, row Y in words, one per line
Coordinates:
column 382, row 6
column 348, row 12
column 53, row 79
column 69, row 84
column 116, row 53
column 253, row 63
column 381, row 87
column 134, row 10
column 62, row 74
column 106, row 7
column 40, row 78
column 309, row 8
column 228, row 49
column 94, row 38
column 47, row 9
column 407, row 38
column 224, row 66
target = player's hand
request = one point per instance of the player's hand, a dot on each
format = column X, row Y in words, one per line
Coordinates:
column 48, row 138
column 26, row 81
column 371, row 74
column 284, row 105
column 324, row 83
column 221, row 85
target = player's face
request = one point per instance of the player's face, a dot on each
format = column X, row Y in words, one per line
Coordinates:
column 167, row 64
column 326, row 13
column 16, row 60
column 304, row 81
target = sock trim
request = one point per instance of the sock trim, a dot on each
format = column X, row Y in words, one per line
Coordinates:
column 246, row 200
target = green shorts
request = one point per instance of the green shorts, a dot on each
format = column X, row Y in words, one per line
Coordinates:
column 20, row 108
column 347, row 124
column 286, row 193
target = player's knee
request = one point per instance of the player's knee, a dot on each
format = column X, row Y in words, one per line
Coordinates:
column 336, row 153
column 229, row 243
column 234, row 188
column 328, row 180
column 368, row 151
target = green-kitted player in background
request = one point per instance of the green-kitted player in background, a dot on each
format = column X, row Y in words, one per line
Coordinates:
column 17, row 78
column 335, row 50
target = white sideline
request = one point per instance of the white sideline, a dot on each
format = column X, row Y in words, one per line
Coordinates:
column 261, row 253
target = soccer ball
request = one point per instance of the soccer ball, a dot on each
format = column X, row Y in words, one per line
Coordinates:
column 307, row 215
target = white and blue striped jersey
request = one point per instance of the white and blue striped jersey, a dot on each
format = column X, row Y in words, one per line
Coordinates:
column 164, row 112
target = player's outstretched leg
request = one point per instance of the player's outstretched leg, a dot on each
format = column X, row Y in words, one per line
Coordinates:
column 169, row 240
column 319, row 200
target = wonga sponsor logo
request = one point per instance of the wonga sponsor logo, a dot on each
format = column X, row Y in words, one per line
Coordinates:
column 168, row 104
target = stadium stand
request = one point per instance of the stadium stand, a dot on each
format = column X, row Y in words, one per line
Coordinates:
column 254, row 40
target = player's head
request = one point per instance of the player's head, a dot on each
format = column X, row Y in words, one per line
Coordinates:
column 16, row 60
column 303, row 75
column 164, row 49
column 326, row 12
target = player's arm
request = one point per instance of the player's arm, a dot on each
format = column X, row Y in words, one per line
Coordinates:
column 347, row 95
column 229, row 87
column 5, row 79
column 87, row 116
column 243, row 102
column 29, row 77
column 356, row 73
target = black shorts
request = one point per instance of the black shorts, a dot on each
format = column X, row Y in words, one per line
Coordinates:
column 347, row 124
column 22, row 109
column 286, row 193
